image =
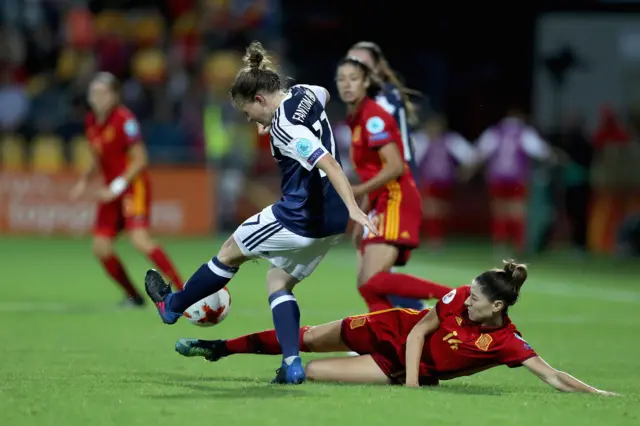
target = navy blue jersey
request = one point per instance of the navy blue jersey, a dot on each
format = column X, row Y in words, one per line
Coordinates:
column 300, row 136
column 389, row 98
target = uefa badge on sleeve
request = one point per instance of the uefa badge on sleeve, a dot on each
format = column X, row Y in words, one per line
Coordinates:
column 131, row 128
column 303, row 147
column 375, row 125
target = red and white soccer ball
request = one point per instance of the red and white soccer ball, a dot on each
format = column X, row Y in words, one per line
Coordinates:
column 211, row 310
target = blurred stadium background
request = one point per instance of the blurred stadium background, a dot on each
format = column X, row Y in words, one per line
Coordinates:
column 576, row 73
column 573, row 66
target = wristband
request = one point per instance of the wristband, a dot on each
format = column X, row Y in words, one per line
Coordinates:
column 118, row 185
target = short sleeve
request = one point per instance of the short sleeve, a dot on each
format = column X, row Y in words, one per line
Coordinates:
column 380, row 130
column 301, row 145
column 534, row 145
column 452, row 302
column 488, row 143
column 461, row 150
column 514, row 351
column 131, row 130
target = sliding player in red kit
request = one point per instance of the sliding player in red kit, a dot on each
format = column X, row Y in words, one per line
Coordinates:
column 377, row 153
column 467, row 332
column 124, row 203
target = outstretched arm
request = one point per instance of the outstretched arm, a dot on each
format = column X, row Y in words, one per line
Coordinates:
column 334, row 173
column 415, row 341
column 307, row 149
column 559, row 379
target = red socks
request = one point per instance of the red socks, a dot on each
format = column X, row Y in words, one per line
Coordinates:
column 114, row 268
column 161, row 260
column 500, row 229
column 116, row 271
column 518, row 229
column 509, row 229
column 376, row 291
column 263, row 343
column 434, row 227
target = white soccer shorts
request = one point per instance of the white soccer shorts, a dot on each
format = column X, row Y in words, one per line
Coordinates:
column 262, row 235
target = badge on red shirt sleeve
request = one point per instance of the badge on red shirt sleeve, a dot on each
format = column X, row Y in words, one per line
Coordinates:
column 377, row 131
column 131, row 129
column 449, row 297
column 448, row 304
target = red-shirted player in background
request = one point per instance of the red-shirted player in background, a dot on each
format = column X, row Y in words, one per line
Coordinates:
column 125, row 200
column 389, row 190
column 467, row 332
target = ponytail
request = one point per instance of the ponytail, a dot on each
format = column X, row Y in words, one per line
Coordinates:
column 258, row 75
column 503, row 284
column 387, row 75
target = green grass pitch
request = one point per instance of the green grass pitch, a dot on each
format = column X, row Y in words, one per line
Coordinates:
column 70, row 358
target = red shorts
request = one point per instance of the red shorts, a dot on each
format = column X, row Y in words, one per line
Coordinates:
column 131, row 211
column 511, row 191
column 382, row 335
column 438, row 190
column 399, row 215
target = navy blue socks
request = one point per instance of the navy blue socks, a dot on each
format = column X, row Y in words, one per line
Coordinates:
column 208, row 279
column 286, row 320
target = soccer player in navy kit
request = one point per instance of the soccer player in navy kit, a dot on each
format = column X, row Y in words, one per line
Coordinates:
column 296, row 232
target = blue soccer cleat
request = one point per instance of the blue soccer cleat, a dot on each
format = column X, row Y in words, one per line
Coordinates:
column 290, row 374
column 160, row 293
column 211, row 350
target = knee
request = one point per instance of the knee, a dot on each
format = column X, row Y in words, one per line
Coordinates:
column 230, row 253
column 364, row 277
column 280, row 283
column 376, row 284
column 142, row 242
column 367, row 278
column 102, row 248
column 366, row 290
column 312, row 370
column 308, row 338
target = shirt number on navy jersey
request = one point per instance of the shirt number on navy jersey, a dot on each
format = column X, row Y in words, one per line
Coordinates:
column 322, row 130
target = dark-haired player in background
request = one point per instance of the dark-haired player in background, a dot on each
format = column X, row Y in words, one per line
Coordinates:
column 295, row 233
column 468, row 331
column 377, row 154
column 393, row 97
column 124, row 202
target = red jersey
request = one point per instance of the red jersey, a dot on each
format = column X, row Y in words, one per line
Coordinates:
column 371, row 128
column 111, row 140
column 460, row 347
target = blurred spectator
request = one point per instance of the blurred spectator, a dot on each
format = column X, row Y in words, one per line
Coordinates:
column 573, row 141
column 628, row 238
column 13, row 49
column 634, row 123
column 441, row 155
column 609, row 131
column 230, row 141
column 190, row 116
column 14, row 103
column 42, row 50
column 50, row 104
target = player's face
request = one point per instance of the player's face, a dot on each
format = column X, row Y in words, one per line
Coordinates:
column 365, row 56
column 101, row 97
column 352, row 83
column 480, row 308
column 257, row 111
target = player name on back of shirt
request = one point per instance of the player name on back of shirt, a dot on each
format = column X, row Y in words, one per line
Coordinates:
column 305, row 105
